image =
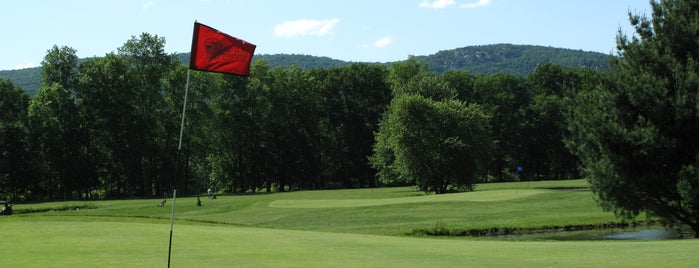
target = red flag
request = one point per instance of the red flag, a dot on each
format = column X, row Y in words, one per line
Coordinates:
column 214, row 51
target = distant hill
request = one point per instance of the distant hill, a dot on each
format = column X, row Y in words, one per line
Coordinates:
column 486, row 59
column 28, row 79
column 286, row 60
column 513, row 59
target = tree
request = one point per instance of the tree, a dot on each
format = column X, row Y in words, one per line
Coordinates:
column 57, row 133
column 197, row 141
column 637, row 133
column 232, row 159
column 147, row 66
column 403, row 72
column 60, row 65
column 16, row 161
column 506, row 97
column 546, row 123
column 60, row 141
column 353, row 99
column 106, row 93
column 295, row 117
column 439, row 145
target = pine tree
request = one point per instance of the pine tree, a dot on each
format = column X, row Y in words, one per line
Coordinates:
column 638, row 133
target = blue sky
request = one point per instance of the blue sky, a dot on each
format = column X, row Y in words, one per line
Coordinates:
column 358, row 30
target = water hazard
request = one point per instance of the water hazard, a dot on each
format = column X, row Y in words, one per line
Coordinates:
column 646, row 233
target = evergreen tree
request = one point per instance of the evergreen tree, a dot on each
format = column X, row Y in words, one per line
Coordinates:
column 637, row 134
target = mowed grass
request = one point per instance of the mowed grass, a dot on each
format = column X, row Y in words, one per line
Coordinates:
column 137, row 244
column 488, row 196
column 337, row 228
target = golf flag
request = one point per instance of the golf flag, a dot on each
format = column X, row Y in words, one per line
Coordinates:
column 214, row 51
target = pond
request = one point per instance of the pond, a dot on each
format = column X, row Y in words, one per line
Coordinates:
column 641, row 233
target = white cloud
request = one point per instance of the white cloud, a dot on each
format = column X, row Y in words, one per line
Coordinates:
column 305, row 27
column 147, row 5
column 23, row 66
column 476, row 4
column 383, row 42
column 436, row 3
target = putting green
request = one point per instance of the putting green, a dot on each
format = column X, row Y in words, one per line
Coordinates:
column 479, row 196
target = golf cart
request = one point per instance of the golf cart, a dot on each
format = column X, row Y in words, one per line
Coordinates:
column 6, row 208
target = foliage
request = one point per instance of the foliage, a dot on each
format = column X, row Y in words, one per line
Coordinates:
column 506, row 97
column 636, row 134
column 438, row 145
column 552, row 88
column 60, row 65
column 297, row 129
column 15, row 155
column 427, row 137
column 518, row 60
column 109, row 126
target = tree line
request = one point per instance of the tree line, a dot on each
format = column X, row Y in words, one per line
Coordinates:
column 109, row 127
column 485, row 59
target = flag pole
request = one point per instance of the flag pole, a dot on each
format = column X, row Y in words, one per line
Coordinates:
column 177, row 163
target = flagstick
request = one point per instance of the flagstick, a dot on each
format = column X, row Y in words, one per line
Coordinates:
column 177, row 163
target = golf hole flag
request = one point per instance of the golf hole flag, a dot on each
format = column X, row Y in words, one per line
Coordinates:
column 214, row 51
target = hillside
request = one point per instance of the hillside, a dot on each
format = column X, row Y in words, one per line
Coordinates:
column 28, row 79
column 486, row 59
column 513, row 59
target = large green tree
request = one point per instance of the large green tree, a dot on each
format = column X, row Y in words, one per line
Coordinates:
column 438, row 145
column 238, row 132
column 507, row 98
column 353, row 99
column 637, row 134
column 60, row 142
column 16, row 172
column 106, row 93
column 147, row 66
column 545, row 154
column 198, row 132
column 60, row 65
column 57, row 133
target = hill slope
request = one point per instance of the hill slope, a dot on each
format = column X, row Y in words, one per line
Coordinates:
column 28, row 79
column 513, row 59
column 487, row 59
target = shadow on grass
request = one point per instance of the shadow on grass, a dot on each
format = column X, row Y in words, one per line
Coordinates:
column 60, row 208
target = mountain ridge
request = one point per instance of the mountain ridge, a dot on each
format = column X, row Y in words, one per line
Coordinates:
column 480, row 59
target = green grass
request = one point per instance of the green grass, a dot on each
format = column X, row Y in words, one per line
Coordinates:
column 334, row 228
column 489, row 196
column 137, row 244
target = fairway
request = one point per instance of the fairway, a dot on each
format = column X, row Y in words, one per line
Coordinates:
column 332, row 228
column 133, row 244
column 487, row 196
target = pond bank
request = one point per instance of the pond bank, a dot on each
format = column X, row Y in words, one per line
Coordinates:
column 609, row 231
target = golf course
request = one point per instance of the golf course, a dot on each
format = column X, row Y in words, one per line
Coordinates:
column 380, row 227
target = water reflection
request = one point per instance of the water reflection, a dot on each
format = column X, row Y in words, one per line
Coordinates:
column 653, row 234
column 650, row 233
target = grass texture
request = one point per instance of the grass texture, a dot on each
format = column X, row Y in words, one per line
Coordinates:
column 334, row 228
